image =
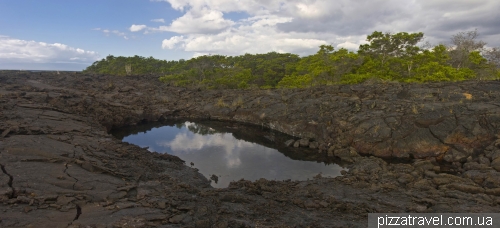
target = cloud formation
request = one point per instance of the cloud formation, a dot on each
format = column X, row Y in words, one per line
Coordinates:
column 107, row 32
column 137, row 28
column 188, row 142
column 28, row 51
column 159, row 20
column 300, row 26
column 200, row 21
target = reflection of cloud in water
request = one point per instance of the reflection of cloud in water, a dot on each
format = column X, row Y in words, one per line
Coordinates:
column 187, row 124
column 188, row 142
column 227, row 157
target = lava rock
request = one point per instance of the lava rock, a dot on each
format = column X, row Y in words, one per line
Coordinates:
column 289, row 142
column 304, row 142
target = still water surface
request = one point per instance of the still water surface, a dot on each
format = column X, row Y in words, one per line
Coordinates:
column 219, row 152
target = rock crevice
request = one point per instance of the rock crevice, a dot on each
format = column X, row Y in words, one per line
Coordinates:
column 9, row 183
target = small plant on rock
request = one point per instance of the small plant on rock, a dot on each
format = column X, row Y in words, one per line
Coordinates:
column 221, row 103
column 238, row 102
column 414, row 109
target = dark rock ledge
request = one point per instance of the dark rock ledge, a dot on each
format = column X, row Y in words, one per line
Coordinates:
column 60, row 167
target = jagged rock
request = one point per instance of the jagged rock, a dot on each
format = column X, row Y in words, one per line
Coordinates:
column 63, row 200
column 331, row 151
column 423, row 165
column 495, row 154
column 492, row 180
column 455, row 156
column 496, row 164
column 177, row 218
column 493, row 191
column 346, row 154
column 423, row 184
column 313, row 145
column 88, row 166
column 5, row 132
column 162, row 205
column 289, row 142
column 466, row 188
column 484, row 160
column 203, row 223
column 475, row 166
column 304, row 142
column 497, row 143
column 369, row 165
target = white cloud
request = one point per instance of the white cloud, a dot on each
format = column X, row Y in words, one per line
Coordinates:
column 253, row 35
column 202, row 21
column 172, row 42
column 188, row 142
column 25, row 51
column 253, row 7
column 317, row 9
column 118, row 33
column 108, row 32
column 137, row 28
column 160, row 20
column 300, row 26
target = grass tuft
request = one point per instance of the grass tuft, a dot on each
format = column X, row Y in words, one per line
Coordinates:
column 221, row 103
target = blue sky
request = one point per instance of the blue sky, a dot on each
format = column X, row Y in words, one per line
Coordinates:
column 70, row 35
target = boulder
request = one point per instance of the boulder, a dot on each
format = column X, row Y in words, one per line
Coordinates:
column 346, row 154
column 497, row 143
column 495, row 154
column 466, row 188
column 289, row 142
column 475, row 166
column 454, row 156
column 304, row 142
column 484, row 160
column 493, row 191
column 496, row 164
column 331, row 150
column 313, row 145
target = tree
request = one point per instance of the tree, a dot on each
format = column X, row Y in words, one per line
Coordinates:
column 325, row 67
column 431, row 65
column 392, row 54
column 386, row 45
column 493, row 56
column 464, row 43
column 386, row 56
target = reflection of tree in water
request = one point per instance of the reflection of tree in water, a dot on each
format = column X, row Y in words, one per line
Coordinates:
column 199, row 129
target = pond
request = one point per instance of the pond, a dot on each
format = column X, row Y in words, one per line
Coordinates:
column 225, row 151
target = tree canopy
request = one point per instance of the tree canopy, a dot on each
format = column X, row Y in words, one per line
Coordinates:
column 385, row 56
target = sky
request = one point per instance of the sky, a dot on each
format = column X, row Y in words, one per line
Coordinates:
column 71, row 35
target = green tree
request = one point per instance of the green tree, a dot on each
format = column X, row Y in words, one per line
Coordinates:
column 431, row 65
column 391, row 56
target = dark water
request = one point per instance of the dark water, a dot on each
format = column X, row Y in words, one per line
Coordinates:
column 230, row 151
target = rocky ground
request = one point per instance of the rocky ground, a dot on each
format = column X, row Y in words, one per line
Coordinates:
column 61, row 168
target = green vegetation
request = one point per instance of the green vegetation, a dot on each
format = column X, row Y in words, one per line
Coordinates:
column 137, row 65
column 385, row 57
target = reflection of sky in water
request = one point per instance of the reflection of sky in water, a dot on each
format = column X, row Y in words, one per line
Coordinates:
column 228, row 157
